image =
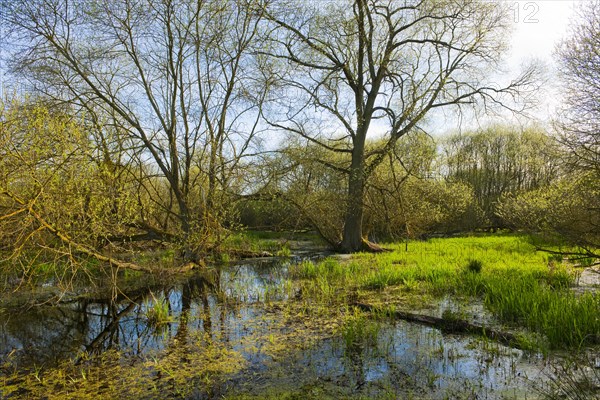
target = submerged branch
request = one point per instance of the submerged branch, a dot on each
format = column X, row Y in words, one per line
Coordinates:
column 585, row 253
column 448, row 325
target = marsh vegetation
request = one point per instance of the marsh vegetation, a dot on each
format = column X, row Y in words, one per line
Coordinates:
column 287, row 327
column 246, row 199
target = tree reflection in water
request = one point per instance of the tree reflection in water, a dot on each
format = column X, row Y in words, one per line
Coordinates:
column 44, row 335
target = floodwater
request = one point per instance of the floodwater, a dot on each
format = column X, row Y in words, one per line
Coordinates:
column 234, row 306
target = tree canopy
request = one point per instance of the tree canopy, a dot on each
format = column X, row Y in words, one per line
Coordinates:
column 344, row 67
column 167, row 84
column 579, row 60
column 168, row 115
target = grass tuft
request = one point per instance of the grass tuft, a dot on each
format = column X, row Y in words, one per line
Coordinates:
column 157, row 311
column 474, row 266
column 360, row 332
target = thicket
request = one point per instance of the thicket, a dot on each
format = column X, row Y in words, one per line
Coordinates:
column 457, row 183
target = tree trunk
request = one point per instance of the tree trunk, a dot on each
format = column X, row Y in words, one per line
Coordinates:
column 187, row 252
column 352, row 240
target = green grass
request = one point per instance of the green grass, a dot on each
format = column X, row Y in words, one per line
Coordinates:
column 157, row 311
column 565, row 319
column 517, row 284
column 475, row 266
column 328, row 268
column 359, row 332
column 270, row 241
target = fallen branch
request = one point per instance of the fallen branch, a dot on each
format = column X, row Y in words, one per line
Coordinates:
column 150, row 234
column 447, row 325
column 594, row 270
column 80, row 248
column 241, row 254
column 585, row 253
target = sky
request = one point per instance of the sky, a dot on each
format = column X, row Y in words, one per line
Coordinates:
column 538, row 26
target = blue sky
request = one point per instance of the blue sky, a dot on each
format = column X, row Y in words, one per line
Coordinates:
column 538, row 26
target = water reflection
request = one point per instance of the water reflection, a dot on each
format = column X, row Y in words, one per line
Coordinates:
column 407, row 360
column 216, row 302
column 227, row 305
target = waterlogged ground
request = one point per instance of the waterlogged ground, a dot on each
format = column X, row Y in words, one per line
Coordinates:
column 247, row 331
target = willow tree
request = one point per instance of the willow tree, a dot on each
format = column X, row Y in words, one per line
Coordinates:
column 171, row 75
column 348, row 69
column 54, row 205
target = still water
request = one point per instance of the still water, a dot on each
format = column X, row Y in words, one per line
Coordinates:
column 237, row 306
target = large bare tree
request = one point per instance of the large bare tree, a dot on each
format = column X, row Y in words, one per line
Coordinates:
column 350, row 68
column 170, row 78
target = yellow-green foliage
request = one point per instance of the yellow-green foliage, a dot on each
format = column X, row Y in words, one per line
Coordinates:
column 404, row 198
column 500, row 160
column 567, row 209
column 51, row 171
column 177, row 373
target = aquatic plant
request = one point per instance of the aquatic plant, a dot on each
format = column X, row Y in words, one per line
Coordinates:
column 517, row 285
column 284, row 251
column 359, row 331
column 157, row 311
column 577, row 378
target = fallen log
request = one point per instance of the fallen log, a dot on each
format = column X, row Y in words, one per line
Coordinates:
column 447, row 325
